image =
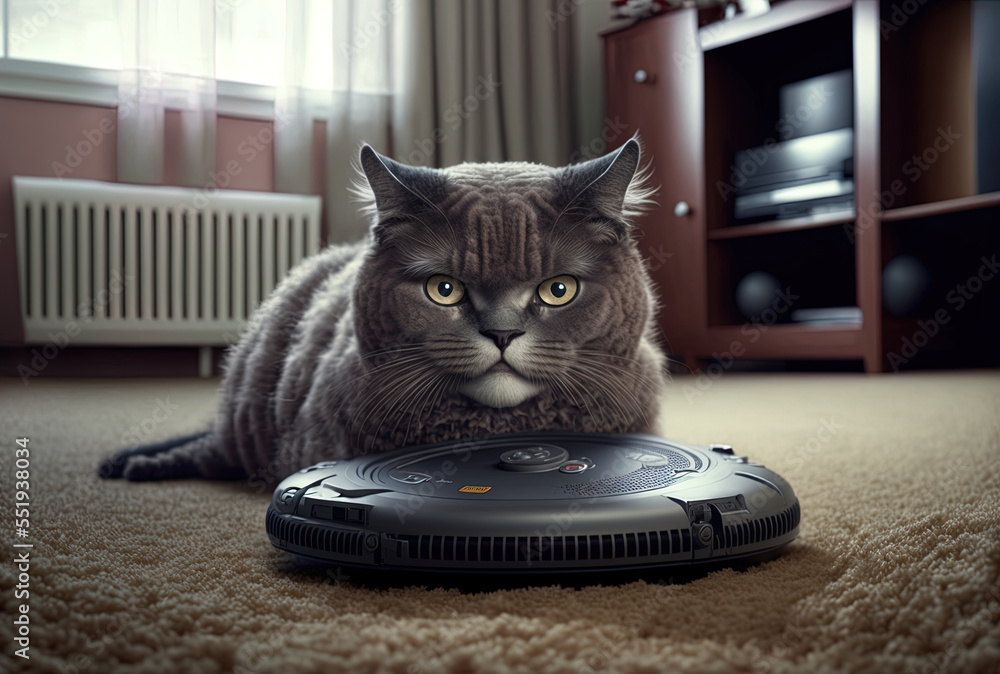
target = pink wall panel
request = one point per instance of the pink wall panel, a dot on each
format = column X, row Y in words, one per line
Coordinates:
column 44, row 138
column 245, row 154
column 319, row 174
column 171, row 147
column 34, row 136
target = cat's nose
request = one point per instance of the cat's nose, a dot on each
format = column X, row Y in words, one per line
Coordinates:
column 502, row 337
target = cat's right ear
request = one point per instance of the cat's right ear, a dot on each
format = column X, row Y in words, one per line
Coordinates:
column 385, row 178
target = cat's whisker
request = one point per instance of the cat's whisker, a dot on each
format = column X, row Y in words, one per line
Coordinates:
column 608, row 373
column 388, row 394
column 417, row 390
column 409, row 348
column 565, row 390
column 368, row 374
column 438, row 382
column 600, row 364
column 449, row 384
column 677, row 361
column 626, row 402
column 609, row 395
column 412, row 387
column 606, row 355
column 378, row 369
column 378, row 391
column 359, row 428
column 404, row 389
column 433, row 396
column 593, row 407
column 620, row 396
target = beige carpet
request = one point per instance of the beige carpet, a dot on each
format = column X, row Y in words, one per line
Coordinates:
column 897, row 567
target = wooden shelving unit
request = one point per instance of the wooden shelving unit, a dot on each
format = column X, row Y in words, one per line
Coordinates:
column 777, row 226
column 788, row 15
column 959, row 205
column 711, row 90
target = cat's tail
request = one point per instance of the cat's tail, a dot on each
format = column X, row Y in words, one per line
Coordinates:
column 198, row 455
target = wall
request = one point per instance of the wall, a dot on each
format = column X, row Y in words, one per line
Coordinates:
column 34, row 134
column 596, row 133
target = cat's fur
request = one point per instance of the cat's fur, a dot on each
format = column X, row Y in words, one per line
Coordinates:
column 349, row 355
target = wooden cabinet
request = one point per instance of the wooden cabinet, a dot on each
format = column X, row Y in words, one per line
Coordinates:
column 655, row 86
column 698, row 94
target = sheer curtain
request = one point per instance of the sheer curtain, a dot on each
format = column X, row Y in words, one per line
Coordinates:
column 338, row 62
column 432, row 82
column 168, row 62
column 309, row 59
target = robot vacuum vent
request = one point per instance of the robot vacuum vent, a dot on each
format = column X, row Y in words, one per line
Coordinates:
column 315, row 537
column 762, row 529
column 540, row 550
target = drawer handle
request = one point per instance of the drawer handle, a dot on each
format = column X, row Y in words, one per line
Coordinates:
column 681, row 209
column 641, row 76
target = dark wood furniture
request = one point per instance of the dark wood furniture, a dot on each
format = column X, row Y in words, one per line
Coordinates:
column 697, row 94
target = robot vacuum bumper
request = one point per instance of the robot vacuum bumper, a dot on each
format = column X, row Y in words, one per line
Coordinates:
column 535, row 503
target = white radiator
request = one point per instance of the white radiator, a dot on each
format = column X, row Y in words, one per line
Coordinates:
column 114, row 264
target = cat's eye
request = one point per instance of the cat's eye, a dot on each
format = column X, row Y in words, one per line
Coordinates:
column 558, row 291
column 444, row 290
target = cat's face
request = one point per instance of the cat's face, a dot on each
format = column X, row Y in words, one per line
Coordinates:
column 502, row 281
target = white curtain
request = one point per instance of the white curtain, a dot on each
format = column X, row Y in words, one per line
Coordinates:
column 432, row 82
column 337, row 69
column 315, row 60
column 168, row 62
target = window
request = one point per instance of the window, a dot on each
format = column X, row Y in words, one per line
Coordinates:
column 84, row 33
column 318, row 44
column 250, row 42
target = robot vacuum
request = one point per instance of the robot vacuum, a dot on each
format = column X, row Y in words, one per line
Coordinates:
column 538, row 502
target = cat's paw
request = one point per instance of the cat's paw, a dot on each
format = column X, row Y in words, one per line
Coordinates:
column 111, row 468
column 147, row 468
column 139, row 468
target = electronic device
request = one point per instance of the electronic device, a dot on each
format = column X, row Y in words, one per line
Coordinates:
column 802, row 176
column 535, row 502
column 809, row 169
column 816, row 105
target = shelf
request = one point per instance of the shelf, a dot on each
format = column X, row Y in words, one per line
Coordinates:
column 926, row 91
column 783, row 15
column 942, row 207
column 778, row 226
column 908, row 88
column 797, row 341
column 817, row 266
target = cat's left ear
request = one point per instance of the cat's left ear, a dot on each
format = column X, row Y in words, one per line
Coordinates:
column 614, row 187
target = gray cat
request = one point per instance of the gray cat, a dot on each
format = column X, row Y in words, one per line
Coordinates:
column 489, row 298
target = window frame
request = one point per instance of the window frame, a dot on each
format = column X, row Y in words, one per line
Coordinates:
column 65, row 83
